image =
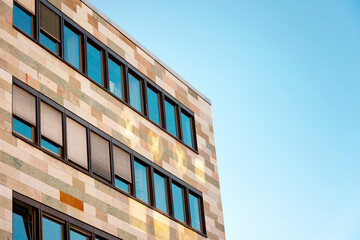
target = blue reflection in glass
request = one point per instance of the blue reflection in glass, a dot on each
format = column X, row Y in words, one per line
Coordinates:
column 141, row 182
column 94, row 63
column 72, row 47
column 121, row 184
column 160, row 192
column 77, row 236
column 50, row 146
column 170, row 118
column 51, row 230
column 115, row 79
column 48, row 42
column 186, row 129
column 22, row 20
column 194, row 212
column 135, row 93
column 178, row 201
column 23, row 128
column 153, row 102
column 19, row 227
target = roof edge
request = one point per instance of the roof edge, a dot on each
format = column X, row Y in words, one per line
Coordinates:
column 131, row 38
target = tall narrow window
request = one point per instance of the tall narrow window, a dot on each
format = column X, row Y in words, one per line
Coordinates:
column 21, row 224
column 51, row 229
column 94, row 63
column 187, row 130
column 115, row 78
column 49, row 29
column 153, row 105
column 135, row 93
column 24, row 113
column 195, row 211
column 160, row 192
column 178, row 202
column 122, row 168
column 72, row 47
column 51, row 128
column 100, row 156
column 76, row 143
column 23, row 19
column 170, row 115
column 141, row 182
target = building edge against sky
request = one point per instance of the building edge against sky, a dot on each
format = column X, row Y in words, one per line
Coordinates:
column 98, row 138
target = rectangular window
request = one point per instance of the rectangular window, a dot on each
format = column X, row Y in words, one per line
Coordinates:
column 122, row 168
column 178, row 202
column 120, row 183
column 49, row 28
column 195, row 211
column 135, row 93
column 51, row 128
column 76, row 143
column 72, row 47
column 187, row 129
column 141, row 181
column 29, row 5
column 51, row 229
column 94, row 63
column 100, row 156
column 23, row 19
column 160, row 192
column 75, row 235
column 170, row 115
column 22, row 224
column 115, row 78
column 23, row 128
column 153, row 105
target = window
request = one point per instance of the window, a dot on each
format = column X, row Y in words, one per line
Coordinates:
column 94, row 63
column 135, row 93
column 100, row 156
column 21, row 224
column 160, row 192
column 51, row 128
column 49, row 28
column 74, row 235
column 178, row 202
column 24, row 111
column 115, row 78
column 153, row 105
column 122, row 168
column 141, row 181
column 170, row 115
column 72, row 47
column 23, row 19
column 52, row 230
column 195, row 211
column 76, row 143
column 187, row 131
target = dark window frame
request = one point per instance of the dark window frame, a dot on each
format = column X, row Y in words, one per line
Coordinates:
column 95, row 45
column 33, row 21
column 160, row 103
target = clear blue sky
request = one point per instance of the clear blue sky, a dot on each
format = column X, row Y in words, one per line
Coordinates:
column 284, row 79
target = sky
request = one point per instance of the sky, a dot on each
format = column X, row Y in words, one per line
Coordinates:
column 284, row 80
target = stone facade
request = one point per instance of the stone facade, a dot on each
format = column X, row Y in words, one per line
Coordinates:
column 33, row 173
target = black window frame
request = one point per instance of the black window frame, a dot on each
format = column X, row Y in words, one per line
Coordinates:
column 33, row 21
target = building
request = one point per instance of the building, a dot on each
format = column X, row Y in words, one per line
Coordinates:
column 99, row 139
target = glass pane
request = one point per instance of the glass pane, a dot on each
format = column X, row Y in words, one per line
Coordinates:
column 153, row 101
column 135, row 93
column 72, row 47
column 77, row 236
column 51, row 230
column 94, row 63
column 50, row 146
column 20, row 225
column 122, row 184
column 141, row 182
column 160, row 192
column 170, row 118
column 186, row 129
column 23, row 128
column 178, row 201
column 22, row 20
column 195, row 212
column 48, row 42
column 115, row 79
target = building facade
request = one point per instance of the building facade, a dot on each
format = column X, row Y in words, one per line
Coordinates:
column 99, row 139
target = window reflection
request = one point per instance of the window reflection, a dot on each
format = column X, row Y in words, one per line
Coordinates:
column 187, row 129
column 51, row 230
column 22, row 19
column 20, row 225
column 77, row 236
column 115, row 79
column 72, row 47
column 195, row 212
column 178, row 202
column 23, row 128
column 94, row 63
column 135, row 93
column 170, row 115
column 153, row 105
column 160, row 192
column 141, row 182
